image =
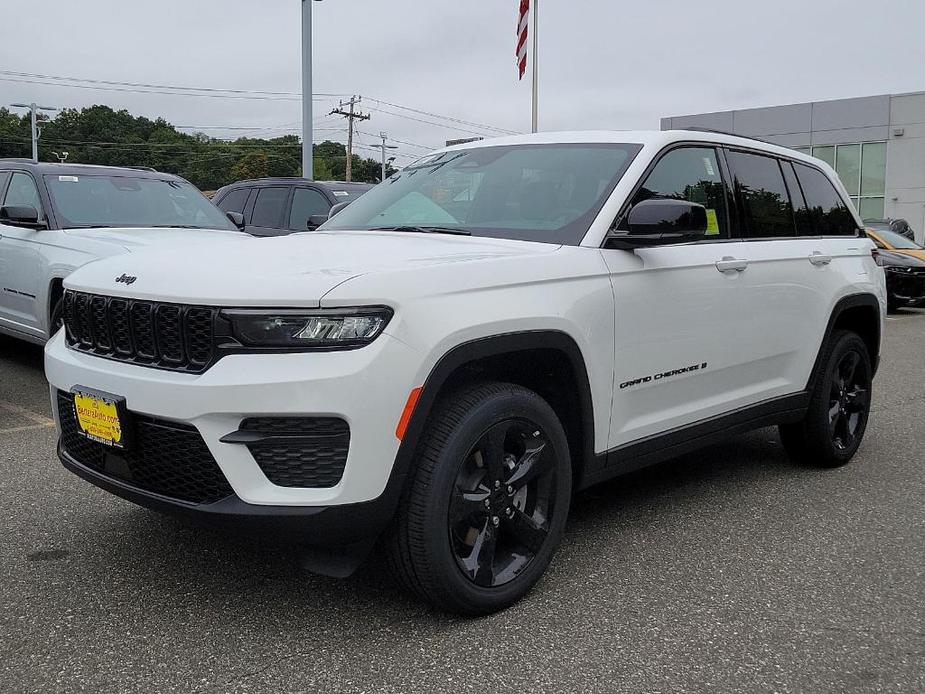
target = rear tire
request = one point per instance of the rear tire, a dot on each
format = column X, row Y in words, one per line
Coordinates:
column 839, row 406
column 487, row 502
column 56, row 321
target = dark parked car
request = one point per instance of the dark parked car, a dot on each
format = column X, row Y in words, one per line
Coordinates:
column 278, row 206
column 904, row 263
column 898, row 226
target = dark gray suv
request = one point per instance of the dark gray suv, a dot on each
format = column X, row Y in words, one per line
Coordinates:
column 278, row 206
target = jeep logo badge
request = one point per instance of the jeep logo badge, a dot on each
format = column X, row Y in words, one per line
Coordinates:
column 126, row 279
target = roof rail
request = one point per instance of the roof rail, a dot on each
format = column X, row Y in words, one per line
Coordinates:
column 698, row 129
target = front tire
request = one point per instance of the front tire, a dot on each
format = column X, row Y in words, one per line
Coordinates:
column 487, row 503
column 836, row 419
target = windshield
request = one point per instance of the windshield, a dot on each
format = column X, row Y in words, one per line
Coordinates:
column 548, row 193
column 897, row 240
column 127, row 201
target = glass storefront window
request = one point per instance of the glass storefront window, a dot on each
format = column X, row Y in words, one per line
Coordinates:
column 862, row 170
column 826, row 154
column 871, row 208
column 848, row 167
column 873, row 169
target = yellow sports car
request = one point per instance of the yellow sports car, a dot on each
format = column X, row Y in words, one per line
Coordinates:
column 904, row 263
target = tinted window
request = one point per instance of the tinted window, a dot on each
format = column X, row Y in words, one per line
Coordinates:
column 766, row 210
column 305, row 203
column 235, row 200
column 536, row 192
column 268, row 209
column 22, row 191
column 800, row 210
column 691, row 174
column 829, row 214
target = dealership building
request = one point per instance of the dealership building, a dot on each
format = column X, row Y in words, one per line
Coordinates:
column 875, row 143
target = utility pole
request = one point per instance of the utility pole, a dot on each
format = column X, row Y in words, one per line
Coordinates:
column 350, row 116
column 34, row 109
column 384, row 137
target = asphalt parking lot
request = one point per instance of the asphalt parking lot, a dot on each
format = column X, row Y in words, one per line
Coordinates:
column 728, row 570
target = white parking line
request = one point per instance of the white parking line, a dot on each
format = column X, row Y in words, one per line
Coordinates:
column 28, row 427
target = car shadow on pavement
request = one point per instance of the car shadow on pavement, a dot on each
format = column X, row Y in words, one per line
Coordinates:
column 19, row 353
column 166, row 556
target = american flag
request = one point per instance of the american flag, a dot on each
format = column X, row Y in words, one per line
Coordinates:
column 521, row 52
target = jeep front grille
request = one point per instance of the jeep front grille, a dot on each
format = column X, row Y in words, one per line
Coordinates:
column 165, row 336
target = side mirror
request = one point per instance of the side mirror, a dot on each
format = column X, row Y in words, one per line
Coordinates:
column 337, row 208
column 21, row 216
column 659, row 222
column 237, row 219
column 316, row 220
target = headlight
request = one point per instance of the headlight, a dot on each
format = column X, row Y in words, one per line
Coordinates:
column 320, row 329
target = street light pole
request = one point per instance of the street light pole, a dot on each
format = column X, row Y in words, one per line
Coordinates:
column 34, row 109
column 307, row 151
column 385, row 136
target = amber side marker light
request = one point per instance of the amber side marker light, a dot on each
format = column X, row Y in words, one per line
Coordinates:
column 407, row 412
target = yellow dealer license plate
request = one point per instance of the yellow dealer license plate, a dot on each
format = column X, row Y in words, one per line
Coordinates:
column 100, row 417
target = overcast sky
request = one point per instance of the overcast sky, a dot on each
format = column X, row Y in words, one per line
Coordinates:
column 604, row 63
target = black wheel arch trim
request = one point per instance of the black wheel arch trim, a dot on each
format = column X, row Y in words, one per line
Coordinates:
column 492, row 346
column 862, row 300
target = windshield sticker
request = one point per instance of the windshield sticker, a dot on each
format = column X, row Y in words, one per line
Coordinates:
column 68, row 179
column 341, row 193
column 708, row 165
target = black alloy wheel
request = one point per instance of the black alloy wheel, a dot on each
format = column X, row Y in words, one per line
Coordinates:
column 486, row 505
column 849, row 400
column 502, row 502
column 839, row 406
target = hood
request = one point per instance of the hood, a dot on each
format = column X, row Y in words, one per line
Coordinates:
column 294, row 270
column 902, row 258
column 134, row 238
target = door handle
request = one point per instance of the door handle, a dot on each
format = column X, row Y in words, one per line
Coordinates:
column 819, row 259
column 730, row 264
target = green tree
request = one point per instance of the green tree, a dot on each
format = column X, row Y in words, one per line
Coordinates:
column 252, row 165
column 101, row 135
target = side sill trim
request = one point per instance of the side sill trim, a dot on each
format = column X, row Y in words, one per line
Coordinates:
column 661, row 447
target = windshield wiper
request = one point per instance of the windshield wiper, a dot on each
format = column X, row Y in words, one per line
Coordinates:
column 457, row 231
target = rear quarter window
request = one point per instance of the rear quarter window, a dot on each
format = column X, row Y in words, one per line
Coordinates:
column 829, row 214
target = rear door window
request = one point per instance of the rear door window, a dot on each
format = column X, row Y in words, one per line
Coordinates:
column 829, row 213
column 269, row 207
column 801, row 216
column 766, row 211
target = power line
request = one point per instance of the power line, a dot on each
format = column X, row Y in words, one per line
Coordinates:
column 442, row 117
column 173, row 87
column 428, row 122
column 217, row 92
column 315, row 97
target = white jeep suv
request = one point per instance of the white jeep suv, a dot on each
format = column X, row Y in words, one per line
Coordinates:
column 56, row 217
column 493, row 328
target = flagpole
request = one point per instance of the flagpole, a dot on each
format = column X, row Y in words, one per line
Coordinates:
column 535, row 70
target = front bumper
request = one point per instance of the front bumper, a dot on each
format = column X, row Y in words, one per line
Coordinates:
column 906, row 288
column 335, row 526
column 367, row 388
